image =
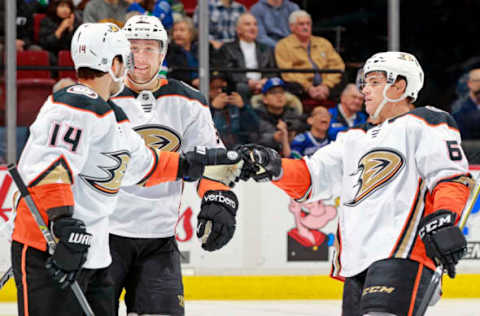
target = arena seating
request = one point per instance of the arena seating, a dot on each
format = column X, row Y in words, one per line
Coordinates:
column 33, row 58
column 65, row 59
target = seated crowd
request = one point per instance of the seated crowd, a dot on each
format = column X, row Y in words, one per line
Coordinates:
column 293, row 112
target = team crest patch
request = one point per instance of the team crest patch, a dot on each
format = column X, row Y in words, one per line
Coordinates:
column 159, row 137
column 79, row 89
column 375, row 169
column 110, row 183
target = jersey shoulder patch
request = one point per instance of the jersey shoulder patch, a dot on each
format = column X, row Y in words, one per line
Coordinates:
column 434, row 116
column 83, row 98
column 180, row 88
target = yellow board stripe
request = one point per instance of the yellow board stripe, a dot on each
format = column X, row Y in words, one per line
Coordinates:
column 281, row 287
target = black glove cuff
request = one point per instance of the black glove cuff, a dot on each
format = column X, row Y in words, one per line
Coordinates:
column 227, row 199
column 55, row 213
column 432, row 222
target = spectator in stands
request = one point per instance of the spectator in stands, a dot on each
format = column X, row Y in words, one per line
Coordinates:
column 246, row 52
column 466, row 110
column 223, row 20
column 234, row 119
column 348, row 112
column 159, row 8
column 57, row 28
column 278, row 123
column 113, row 11
column 303, row 51
column 272, row 17
column 292, row 101
column 183, row 51
column 24, row 20
column 306, row 144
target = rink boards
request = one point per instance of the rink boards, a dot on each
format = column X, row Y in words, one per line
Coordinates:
column 271, row 256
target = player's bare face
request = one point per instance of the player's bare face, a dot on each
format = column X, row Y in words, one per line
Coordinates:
column 373, row 90
column 147, row 57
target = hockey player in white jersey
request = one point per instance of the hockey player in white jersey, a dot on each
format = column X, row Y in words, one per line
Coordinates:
column 80, row 150
column 403, row 184
column 172, row 117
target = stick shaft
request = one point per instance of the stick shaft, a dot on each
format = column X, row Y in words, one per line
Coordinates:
column 5, row 277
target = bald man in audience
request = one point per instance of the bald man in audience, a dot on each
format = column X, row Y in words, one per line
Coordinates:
column 348, row 112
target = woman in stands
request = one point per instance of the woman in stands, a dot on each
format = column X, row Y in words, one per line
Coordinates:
column 57, row 28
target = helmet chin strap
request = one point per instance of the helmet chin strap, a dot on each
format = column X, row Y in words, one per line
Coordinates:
column 385, row 100
column 119, row 80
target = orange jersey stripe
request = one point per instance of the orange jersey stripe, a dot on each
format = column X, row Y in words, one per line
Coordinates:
column 415, row 289
column 45, row 196
column 296, row 178
column 24, row 280
column 166, row 169
column 206, row 185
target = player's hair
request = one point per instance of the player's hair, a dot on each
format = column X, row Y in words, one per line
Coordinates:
column 89, row 73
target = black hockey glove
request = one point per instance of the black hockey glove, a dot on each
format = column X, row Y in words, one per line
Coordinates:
column 260, row 163
column 71, row 251
column 444, row 242
column 192, row 163
column 216, row 220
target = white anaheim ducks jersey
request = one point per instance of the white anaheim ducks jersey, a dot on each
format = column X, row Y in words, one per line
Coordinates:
column 385, row 172
column 79, row 138
column 175, row 117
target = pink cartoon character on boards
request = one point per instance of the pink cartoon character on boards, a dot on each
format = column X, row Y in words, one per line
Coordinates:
column 305, row 241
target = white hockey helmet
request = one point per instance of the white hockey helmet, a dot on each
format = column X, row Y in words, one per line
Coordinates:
column 146, row 27
column 95, row 45
column 395, row 64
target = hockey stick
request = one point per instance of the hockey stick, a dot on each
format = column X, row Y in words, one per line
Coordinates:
column 77, row 291
column 5, row 277
column 437, row 275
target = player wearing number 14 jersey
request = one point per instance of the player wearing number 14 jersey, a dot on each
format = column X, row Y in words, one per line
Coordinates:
column 403, row 184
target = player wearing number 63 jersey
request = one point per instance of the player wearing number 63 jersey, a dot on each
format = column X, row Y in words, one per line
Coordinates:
column 80, row 151
column 403, row 184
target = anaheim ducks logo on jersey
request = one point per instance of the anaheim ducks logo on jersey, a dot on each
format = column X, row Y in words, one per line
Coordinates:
column 110, row 184
column 159, row 137
column 376, row 168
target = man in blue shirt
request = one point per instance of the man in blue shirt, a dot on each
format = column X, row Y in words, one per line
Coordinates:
column 348, row 112
column 466, row 110
column 272, row 18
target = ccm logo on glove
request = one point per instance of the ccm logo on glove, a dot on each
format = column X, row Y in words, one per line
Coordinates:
column 220, row 199
column 439, row 221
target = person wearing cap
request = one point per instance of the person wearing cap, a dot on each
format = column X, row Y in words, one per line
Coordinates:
column 306, row 144
column 234, row 119
column 278, row 123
